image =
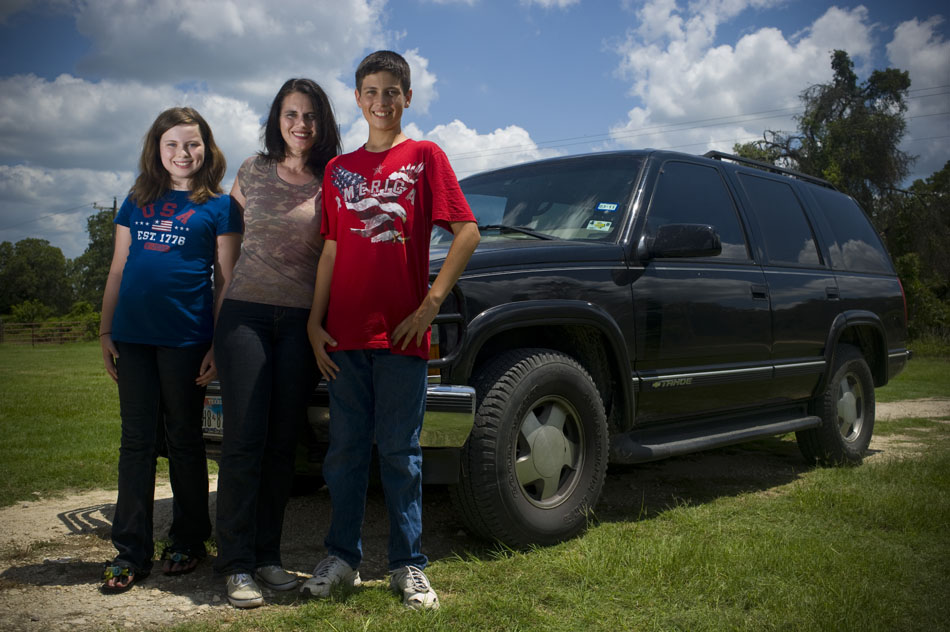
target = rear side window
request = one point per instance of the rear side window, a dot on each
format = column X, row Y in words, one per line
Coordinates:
column 856, row 246
column 688, row 193
column 787, row 233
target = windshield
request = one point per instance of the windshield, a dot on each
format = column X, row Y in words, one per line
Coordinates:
column 582, row 199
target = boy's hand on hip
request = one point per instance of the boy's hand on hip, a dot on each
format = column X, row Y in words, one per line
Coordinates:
column 416, row 324
column 320, row 340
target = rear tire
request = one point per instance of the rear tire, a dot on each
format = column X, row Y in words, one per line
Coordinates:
column 846, row 409
column 535, row 462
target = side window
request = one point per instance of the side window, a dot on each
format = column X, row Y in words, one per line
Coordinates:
column 688, row 193
column 785, row 228
column 856, row 246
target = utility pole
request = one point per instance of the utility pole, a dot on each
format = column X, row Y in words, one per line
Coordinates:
column 114, row 209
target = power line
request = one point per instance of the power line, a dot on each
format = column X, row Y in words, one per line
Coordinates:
column 36, row 219
column 672, row 127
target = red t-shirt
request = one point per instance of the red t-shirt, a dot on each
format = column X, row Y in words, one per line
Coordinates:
column 379, row 208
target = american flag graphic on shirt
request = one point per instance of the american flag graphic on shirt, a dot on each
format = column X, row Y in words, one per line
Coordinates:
column 164, row 225
column 376, row 204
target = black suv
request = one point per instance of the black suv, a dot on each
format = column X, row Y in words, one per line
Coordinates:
column 625, row 307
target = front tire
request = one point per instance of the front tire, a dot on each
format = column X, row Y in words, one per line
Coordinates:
column 846, row 409
column 535, row 462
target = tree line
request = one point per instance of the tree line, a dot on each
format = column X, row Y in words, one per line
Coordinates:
column 849, row 134
column 38, row 282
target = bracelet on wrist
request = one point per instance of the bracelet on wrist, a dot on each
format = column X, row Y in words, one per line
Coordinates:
column 105, row 333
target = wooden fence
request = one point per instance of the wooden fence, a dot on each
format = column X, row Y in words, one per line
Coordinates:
column 44, row 333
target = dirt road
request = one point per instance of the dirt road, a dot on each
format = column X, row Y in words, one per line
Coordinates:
column 51, row 550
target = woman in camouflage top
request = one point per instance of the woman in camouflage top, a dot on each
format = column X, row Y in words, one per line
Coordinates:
column 265, row 363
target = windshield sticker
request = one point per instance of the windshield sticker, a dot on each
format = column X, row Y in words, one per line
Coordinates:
column 596, row 224
column 605, row 206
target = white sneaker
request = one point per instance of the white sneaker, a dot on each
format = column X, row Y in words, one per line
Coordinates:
column 413, row 585
column 275, row 577
column 243, row 591
column 329, row 573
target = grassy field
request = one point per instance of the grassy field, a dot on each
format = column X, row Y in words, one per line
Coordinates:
column 59, row 414
column 864, row 548
column 923, row 377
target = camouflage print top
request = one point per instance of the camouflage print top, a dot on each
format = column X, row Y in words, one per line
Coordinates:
column 282, row 243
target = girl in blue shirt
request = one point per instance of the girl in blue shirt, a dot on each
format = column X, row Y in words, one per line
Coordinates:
column 174, row 228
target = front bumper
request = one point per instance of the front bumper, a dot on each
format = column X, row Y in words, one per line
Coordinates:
column 449, row 418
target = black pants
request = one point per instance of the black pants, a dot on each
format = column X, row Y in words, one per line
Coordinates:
column 157, row 386
column 267, row 373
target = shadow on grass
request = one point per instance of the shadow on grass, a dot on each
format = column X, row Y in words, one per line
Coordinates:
column 643, row 491
column 633, row 492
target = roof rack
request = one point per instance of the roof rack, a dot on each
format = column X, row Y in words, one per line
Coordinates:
column 719, row 155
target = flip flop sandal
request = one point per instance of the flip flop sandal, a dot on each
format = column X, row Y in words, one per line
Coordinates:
column 121, row 573
column 186, row 562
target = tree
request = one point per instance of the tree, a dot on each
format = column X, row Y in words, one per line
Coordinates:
column 32, row 269
column 918, row 235
column 31, row 311
column 849, row 134
column 90, row 269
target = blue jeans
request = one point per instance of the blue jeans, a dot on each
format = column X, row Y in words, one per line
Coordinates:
column 157, row 387
column 376, row 395
column 267, row 372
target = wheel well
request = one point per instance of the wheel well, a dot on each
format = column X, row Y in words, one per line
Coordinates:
column 585, row 344
column 871, row 343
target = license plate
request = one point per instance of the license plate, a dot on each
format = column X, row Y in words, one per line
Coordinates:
column 212, row 420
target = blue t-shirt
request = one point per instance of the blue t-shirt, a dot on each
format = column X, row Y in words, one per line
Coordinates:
column 166, row 297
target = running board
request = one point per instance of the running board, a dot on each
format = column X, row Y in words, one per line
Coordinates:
column 640, row 446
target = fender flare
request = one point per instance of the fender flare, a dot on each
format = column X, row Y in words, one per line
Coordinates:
column 523, row 314
column 846, row 320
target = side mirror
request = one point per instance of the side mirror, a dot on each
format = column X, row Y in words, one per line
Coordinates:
column 680, row 240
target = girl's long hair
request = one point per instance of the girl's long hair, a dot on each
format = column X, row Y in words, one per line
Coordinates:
column 327, row 143
column 154, row 181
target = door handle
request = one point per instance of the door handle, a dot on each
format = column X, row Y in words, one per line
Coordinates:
column 760, row 291
column 832, row 293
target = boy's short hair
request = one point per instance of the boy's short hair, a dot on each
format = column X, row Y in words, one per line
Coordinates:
column 380, row 61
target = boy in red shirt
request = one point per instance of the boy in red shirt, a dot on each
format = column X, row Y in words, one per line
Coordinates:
column 369, row 324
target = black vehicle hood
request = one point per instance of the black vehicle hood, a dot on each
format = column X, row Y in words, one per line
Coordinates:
column 494, row 254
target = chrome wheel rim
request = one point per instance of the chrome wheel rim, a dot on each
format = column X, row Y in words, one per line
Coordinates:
column 549, row 452
column 850, row 405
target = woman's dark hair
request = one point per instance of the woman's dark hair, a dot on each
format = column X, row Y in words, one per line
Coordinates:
column 154, row 181
column 327, row 143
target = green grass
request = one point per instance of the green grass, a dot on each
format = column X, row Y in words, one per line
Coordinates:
column 859, row 548
column 923, row 377
column 59, row 416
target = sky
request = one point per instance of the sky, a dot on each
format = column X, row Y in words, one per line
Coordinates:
column 494, row 82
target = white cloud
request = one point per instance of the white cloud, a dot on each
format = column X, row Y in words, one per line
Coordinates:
column 551, row 4
column 71, row 123
column 63, row 140
column 696, row 95
column 423, row 81
column 471, row 152
column 53, row 204
column 693, row 92
column 468, row 151
column 242, row 48
column 918, row 48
